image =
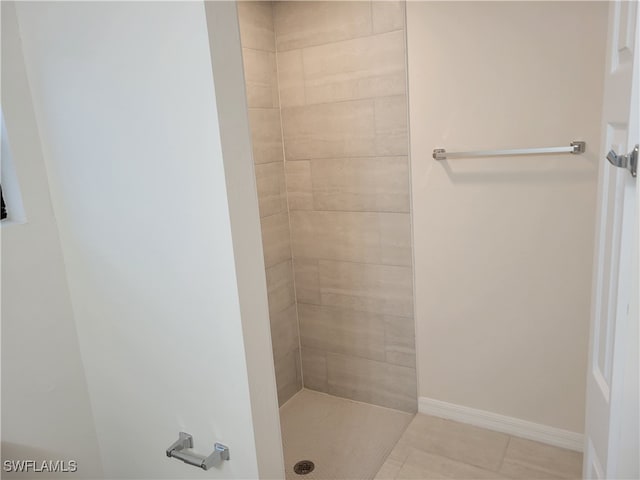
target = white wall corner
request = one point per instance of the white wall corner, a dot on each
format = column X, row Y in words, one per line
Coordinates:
column 502, row 423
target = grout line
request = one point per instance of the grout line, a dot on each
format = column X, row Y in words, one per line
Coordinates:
column 332, row 42
column 256, row 165
column 350, row 157
column 405, row 458
column 278, row 263
column 357, row 263
column 327, row 210
column 259, row 49
column 504, row 454
column 286, row 195
column 459, row 460
column 290, row 399
column 371, row 29
column 354, row 310
column 350, row 400
column 326, row 371
column 265, row 108
column 416, row 328
column 333, row 102
column 304, row 79
column 281, row 212
column 436, row 453
column 326, row 351
column 311, row 210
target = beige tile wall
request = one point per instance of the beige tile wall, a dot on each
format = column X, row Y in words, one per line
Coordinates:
column 258, row 42
column 342, row 81
column 326, row 92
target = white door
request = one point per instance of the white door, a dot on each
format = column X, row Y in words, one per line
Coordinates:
column 611, row 430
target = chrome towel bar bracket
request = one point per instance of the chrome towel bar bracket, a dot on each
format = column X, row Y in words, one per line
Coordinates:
column 176, row 450
column 575, row 147
column 629, row 161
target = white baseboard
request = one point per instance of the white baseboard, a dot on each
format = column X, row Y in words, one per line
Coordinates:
column 501, row 423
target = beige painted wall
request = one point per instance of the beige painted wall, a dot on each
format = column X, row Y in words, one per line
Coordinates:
column 342, row 80
column 503, row 247
column 261, row 81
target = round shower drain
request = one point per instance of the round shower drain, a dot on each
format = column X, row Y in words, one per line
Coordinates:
column 303, row 467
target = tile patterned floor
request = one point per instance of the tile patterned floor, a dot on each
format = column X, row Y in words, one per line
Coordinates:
column 434, row 448
column 351, row 440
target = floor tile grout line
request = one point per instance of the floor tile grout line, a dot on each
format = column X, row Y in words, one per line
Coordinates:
column 408, row 454
column 448, row 457
column 457, row 460
column 504, row 454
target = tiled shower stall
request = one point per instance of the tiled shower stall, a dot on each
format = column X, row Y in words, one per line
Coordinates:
column 326, row 91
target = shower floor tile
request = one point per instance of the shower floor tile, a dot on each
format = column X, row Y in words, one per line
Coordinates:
column 343, row 438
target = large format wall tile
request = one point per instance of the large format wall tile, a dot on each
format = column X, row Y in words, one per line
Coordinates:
column 256, row 25
column 364, row 67
column 299, row 187
column 302, row 24
column 266, row 135
column 371, row 288
column 276, row 243
column 342, row 331
column 359, row 128
column 314, row 366
column 368, row 237
column 385, row 338
column 280, row 288
column 370, row 381
column 307, row 280
column 261, row 82
column 342, row 83
column 338, row 75
column 365, row 184
column 391, row 126
column 284, row 331
column 288, row 375
column 387, row 15
column 260, row 78
column 374, row 184
column 330, row 130
column 399, row 340
column 271, row 185
column 291, row 78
